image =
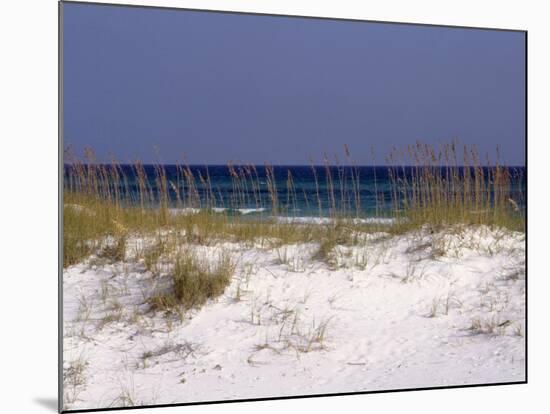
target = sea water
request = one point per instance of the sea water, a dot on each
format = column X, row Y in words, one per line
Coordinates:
column 301, row 192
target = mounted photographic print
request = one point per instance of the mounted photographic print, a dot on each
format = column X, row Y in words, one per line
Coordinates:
column 262, row 206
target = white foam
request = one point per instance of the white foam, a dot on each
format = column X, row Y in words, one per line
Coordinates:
column 250, row 210
column 191, row 210
column 327, row 220
column 184, row 211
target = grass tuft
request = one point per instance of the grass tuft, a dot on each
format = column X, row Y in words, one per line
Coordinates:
column 195, row 280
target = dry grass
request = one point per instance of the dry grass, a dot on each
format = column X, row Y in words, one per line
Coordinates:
column 195, row 280
column 434, row 189
column 105, row 208
column 450, row 184
column 74, row 380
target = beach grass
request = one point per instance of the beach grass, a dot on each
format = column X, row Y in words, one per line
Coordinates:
column 451, row 185
column 437, row 188
column 195, row 280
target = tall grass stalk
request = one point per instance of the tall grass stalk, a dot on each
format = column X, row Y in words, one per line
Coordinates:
column 443, row 185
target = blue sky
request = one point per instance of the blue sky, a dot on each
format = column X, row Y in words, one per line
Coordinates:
column 161, row 85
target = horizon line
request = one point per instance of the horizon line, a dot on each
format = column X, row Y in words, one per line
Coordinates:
column 297, row 165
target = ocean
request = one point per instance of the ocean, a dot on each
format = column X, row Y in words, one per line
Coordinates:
column 300, row 191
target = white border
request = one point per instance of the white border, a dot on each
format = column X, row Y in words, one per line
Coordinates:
column 28, row 99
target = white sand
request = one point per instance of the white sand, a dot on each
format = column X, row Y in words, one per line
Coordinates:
column 418, row 310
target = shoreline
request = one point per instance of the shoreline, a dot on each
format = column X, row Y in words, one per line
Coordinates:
column 256, row 213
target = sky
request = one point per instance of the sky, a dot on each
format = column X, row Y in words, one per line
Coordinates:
column 206, row 88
